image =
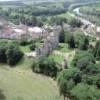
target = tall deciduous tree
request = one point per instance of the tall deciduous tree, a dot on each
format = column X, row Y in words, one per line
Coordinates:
column 13, row 55
column 84, row 44
column 71, row 41
column 97, row 50
column 62, row 36
column 67, row 80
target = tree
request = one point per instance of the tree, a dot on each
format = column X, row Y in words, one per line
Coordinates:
column 65, row 64
column 79, row 37
column 75, row 22
column 82, row 55
column 71, row 42
column 45, row 66
column 83, row 63
column 32, row 46
column 14, row 55
column 98, row 53
column 97, row 50
column 85, row 92
column 2, row 96
column 96, row 47
column 3, row 58
column 84, row 44
column 67, row 80
column 62, row 36
column 98, row 84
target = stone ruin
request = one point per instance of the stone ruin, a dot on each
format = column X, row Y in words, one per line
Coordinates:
column 50, row 43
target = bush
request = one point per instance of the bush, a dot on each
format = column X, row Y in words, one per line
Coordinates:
column 84, row 62
column 23, row 43
column 32, row 47
column 84, row 43
column 82, row 55
column 13, row 55
column 75, row 23
column 45, row 66
column 62, row 36
column 3, row 58
column 85, row 92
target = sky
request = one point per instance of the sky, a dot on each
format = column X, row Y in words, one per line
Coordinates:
column 7, row 0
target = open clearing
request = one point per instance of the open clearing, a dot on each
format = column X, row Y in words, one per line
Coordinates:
column 20, row 84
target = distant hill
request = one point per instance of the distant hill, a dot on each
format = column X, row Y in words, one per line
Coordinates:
column 28, row 2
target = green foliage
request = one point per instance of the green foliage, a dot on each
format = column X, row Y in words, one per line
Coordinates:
column 84, row 43
column 32, row 46
column 85, row 92
column 70, row 39
column 3, row 58
column 62, row 36
column 32, row 15
column 24, row 42
column 96, row 50
column 13, row 55
column 56, row 20
column 71, row 42
column 77, row 40
column 2, row 96
column 67, row 80
column 10, row 53
column 83, row 55
column 79, row 37
column 45, row 66
column 75, row 23
column 83, row 62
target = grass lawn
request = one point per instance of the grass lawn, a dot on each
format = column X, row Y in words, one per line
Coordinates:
column 25, row 63
column 63, row 47
column 19, row 84
column 61, row 53
column 66, row 15
column 57, row 58
column 25, row 48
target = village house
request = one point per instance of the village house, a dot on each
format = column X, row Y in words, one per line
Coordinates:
column 11, row 31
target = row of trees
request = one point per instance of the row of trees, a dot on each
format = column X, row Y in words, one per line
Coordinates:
column 30, row 15
column 92, row 11
column 37, row 10
column 77, row 40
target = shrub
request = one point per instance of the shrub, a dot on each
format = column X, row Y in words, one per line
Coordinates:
column 32, row 47
column 45, row 66
column 75, row 23
column 13, row 55
column 3, row 58
column 85, row 92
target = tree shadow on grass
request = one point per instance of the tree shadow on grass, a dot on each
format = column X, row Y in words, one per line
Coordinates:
column 2, row 96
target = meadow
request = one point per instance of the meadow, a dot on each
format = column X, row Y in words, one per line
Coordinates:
column 20, row 84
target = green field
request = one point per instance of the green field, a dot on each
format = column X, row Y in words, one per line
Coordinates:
column 20, row 84
column 63, row 47
column 25, row 48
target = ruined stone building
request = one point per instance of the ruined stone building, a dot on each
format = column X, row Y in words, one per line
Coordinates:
column 50, row 43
